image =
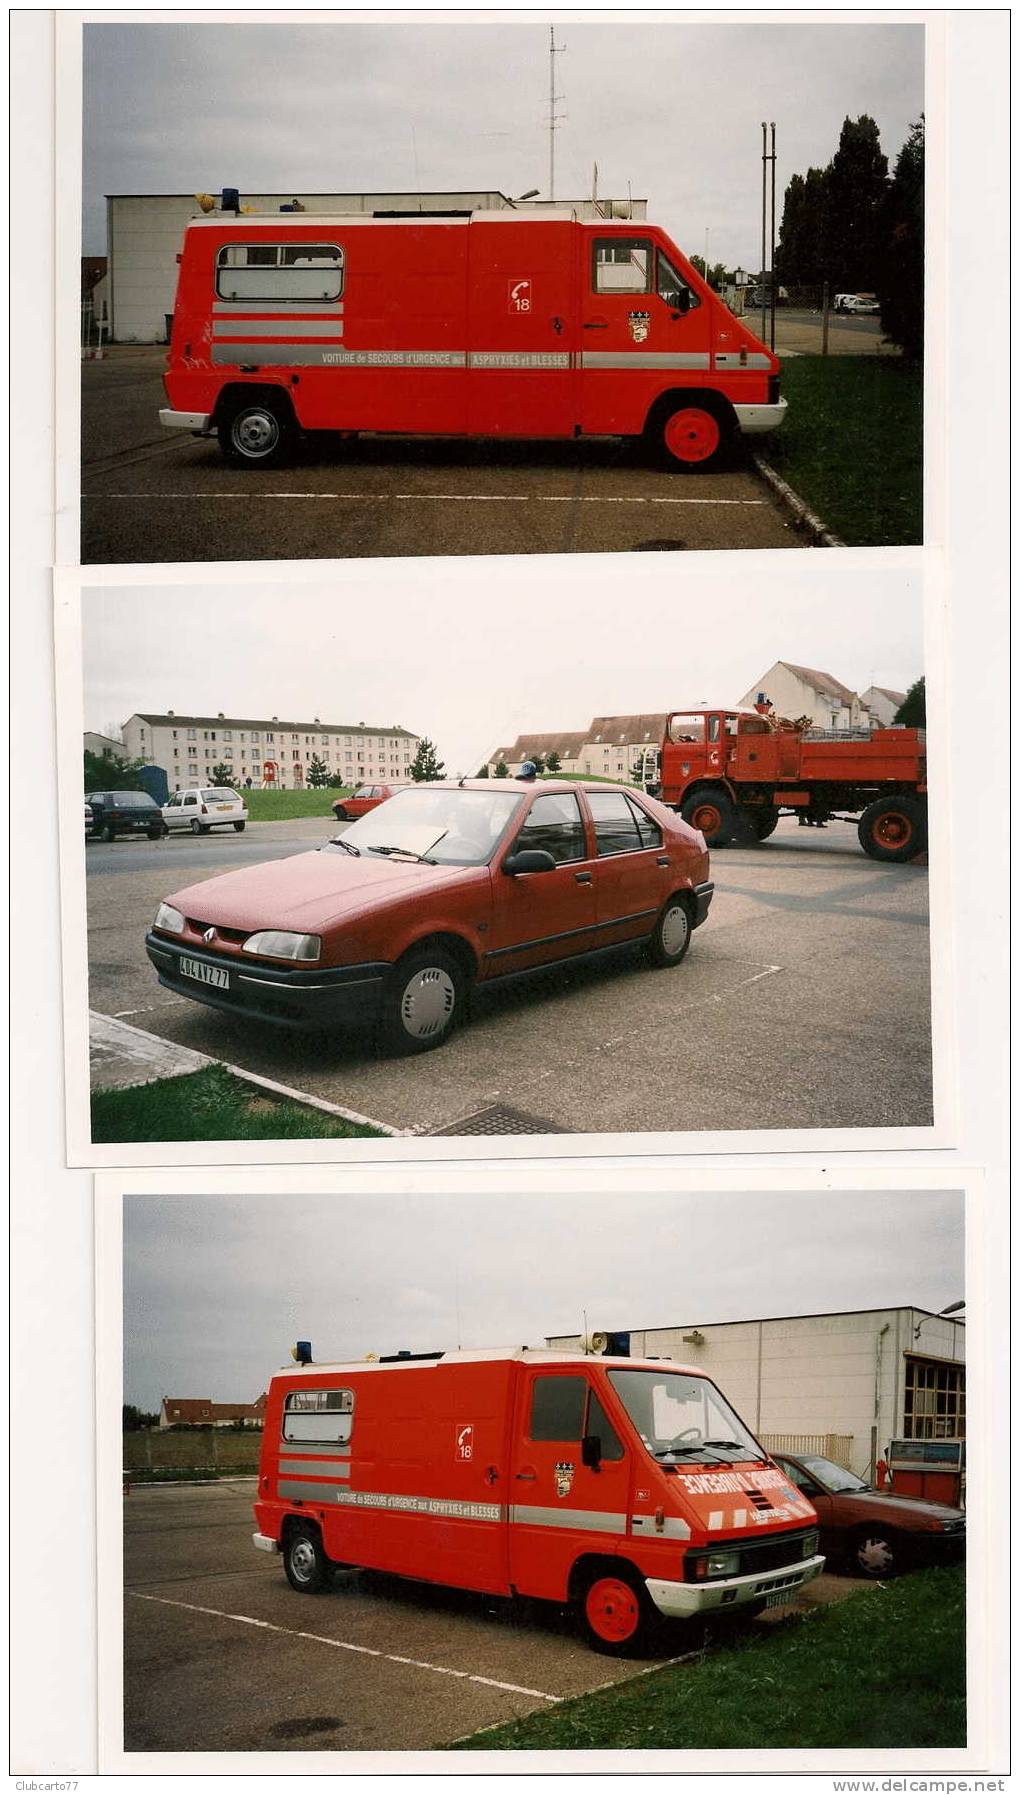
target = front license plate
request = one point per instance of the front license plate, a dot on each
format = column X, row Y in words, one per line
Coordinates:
column 206, row 975
column 778, row 1598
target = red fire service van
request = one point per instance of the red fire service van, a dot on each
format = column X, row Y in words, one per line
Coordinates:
column 493, row 324
column 623, row 1486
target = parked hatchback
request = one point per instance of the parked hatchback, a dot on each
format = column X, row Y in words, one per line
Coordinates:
column 444, row 887
column 874, row 1532
column 125, row 813
column 204, row 807
column 366, row 798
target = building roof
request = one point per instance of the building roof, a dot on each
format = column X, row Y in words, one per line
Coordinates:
column 802, row 1315
column 194, row 1410
column 173, row 720
column 647, row 726
column 821, row 682
column 896, row 698
column 564, row 743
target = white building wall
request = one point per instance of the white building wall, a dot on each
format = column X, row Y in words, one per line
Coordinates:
column 793, row 697
column 188, row 758
column 882, row 709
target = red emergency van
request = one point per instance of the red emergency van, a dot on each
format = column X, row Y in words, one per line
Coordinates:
column 493, row 324
column 623, row 1486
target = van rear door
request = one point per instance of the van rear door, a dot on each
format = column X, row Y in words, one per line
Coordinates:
column 560, row 1507
column 522, row 296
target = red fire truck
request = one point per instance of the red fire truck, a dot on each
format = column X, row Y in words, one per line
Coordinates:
column 493, row 324
column 733, row 774
column 627, row 1487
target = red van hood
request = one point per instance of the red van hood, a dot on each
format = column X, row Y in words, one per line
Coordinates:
column 724, row 1499
column 309, row 892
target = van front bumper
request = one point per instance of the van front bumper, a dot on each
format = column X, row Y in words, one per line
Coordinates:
column 312, row 998
column 198, row 422
column 754, row 420
column 263, row 1543
column 680, row 1601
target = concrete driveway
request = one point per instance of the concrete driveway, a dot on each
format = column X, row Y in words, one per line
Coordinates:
column 804, row 1002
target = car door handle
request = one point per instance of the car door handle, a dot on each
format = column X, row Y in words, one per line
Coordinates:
column 526, row 1476
column 662, row 860
column 596, row 324
column 583, row 878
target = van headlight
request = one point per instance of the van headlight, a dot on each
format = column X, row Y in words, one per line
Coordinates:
column 723, row 1564
column 280, row 944
column 809, row 1545
column 169, row 919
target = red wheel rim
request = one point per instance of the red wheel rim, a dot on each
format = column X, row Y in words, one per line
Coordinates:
column 612, row 1610
column 892, row 829
column 692, row 434
column 707, row 818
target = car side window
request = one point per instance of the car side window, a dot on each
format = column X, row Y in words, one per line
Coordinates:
column 801, row 1480
column 671, row 286
column 650, row 833
column 191, row 798
column 554, row 823
column 557, row 1408
column 616, row 829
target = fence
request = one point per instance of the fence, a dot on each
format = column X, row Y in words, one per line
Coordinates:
column 192, row 1450
column 838, row 1447
column 95, row 329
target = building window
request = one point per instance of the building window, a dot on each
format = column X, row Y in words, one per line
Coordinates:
column 934, row 1401
column 192, row 735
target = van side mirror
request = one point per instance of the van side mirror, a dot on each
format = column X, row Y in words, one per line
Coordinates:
column 682, row 302
column 529, row 860
column 591, row 1451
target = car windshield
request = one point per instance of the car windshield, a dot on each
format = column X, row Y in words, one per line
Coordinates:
column 444, row 824
column 683, row 1417
column 132, row 800
column 217, row 795
column 833, row 1477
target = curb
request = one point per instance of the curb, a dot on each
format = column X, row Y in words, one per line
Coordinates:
column 802, row 515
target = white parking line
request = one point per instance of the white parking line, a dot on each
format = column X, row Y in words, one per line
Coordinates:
column 414, row 498
column 344, row 1645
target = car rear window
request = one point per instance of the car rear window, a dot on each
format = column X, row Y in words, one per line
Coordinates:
column 132, row 800
column 217, row 793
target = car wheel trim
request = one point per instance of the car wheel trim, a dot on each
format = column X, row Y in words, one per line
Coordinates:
column 874, row 1554
column 675, row 929
column 427, row 1002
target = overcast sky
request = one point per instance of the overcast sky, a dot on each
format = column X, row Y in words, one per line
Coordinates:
column 217, row 1289
column 673, row 110
column 471, row 654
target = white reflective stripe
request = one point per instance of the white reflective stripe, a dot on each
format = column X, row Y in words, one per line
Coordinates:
column 739, row 1517
column 232, row 308
column 279, row 327
column 423, row 1505
column 586, row 1520
column 671, row 1527
column 641, row 358
column 715, row 1521
column 297, row 1489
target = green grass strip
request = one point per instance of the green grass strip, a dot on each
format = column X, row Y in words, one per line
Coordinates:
column 884, row 1668
column 282, row 807
column 211, row 1105
column 852, row 445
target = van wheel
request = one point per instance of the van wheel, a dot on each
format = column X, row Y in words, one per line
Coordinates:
column 615, row 1613
column 304, row 1560
column 239, row 827
column 893, row 829
column 423, row 997
column 671, row 936
column 255, row 435
column 692, row 436
column 713, row 813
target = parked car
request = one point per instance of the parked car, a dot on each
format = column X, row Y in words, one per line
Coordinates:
column 204, row 807
column 365, row 799
column 443, row 887
column 90, row 819
column 874, row 1532
column 125, row 813
column 863, row 304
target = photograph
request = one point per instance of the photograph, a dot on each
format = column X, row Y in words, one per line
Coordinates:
column 574, row 297
column 613, row 881
column 512, row 1483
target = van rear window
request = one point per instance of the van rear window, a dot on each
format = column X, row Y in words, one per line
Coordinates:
column 323, row 1416
column 282, row 273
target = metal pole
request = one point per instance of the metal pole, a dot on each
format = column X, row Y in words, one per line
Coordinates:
column 772, row 251
column 764, row 161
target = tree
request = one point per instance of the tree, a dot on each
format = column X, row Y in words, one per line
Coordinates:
column 858, row 178
column 336, row 782
column 553, row 762
column 714, row 274
column 900, row 277
column 222, row 774
column 911, row 711
column 539, row 762
column 502, row 771
column 426, row 763
column 107, row 772
column 482, row 773
column 318, row 772
column 133, row 1418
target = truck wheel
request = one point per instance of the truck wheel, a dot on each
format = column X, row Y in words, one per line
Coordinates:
column 893, row 829
column 671, row 936
column 692, row 436
column 615, row 1612
column 422, row 1000
column 255, row 435
column 764, row 822
column 877, row 1553
column 713, row 813
column 304, row 1560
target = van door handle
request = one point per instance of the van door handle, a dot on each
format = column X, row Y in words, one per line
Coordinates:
column 491, row 1474
column 597, row 324
column 583, row 878
column 527, row 1475
column 557, row 324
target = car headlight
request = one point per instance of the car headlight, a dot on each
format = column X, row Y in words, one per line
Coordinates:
column 809, row 1545
column 280, row 944
column 723, row 1564
column 169, row 919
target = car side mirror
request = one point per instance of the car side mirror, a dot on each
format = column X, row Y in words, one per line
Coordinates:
column 591, row 1451
column 529, row 860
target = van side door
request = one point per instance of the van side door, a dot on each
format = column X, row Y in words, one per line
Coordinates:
column 522, row 322
column 559, row 1506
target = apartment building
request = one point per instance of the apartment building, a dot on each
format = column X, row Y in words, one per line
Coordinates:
column 610, row 747
column 266, row 750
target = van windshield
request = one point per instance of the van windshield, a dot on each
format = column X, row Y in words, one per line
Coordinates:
column 683, row 1417
column 443, row 824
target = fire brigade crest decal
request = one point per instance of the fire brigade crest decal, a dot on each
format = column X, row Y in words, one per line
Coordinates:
column 564, row 1472
column 639, row 325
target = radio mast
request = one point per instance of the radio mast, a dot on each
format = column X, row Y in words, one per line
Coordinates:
column 555, row 117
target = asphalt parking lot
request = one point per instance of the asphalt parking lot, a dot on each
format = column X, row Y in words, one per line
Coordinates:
column 154, row 495
column 220, row 1654
column 804, row 1002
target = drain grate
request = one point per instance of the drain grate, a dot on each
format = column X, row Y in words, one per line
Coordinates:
column 499, row 1118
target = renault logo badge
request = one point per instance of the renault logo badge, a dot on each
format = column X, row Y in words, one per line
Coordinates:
column 210, row 935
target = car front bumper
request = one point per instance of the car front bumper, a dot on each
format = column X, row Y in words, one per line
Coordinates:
column 703, row 895
column 312, row 998
column 754, row 420
column 680, row 1601
column 198, row 422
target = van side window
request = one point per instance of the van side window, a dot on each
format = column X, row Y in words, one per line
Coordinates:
column 280, row 273
column 622, row 265
column 598, row 1422
column 557, row 1408
column 671, row 286
column 554, row 823
column 322, row 1416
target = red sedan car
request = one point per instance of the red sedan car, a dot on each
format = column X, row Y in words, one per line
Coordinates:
column 443, row 887
column 364, row 799
column 874, row 1532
